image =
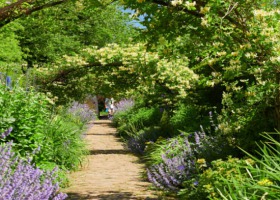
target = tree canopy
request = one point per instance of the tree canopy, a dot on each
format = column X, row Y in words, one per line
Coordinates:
column 221, row 55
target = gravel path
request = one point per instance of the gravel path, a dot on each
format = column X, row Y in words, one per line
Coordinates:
column 110, row 172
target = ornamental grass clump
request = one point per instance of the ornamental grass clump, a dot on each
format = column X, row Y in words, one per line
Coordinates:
column 20, row 179
column 258, row 178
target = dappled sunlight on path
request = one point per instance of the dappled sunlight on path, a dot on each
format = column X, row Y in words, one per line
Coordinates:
column 110, row 171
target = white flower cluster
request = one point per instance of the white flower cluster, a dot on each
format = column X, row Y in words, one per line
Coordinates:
column 176, row 2
column 262, row 13
column 186, row 4
column 76, row 60
column 176, row 75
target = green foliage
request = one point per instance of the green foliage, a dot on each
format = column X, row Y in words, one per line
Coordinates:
column 140, row 126
column 186, row 118
column 63, row 144
column 221, row 54
column 257, row 180
column 9, row 45
column 120, row 118
column 246, row 178
column 210, row 179
column 234, row 59
column 59, row 137
column 155, row 150
column 136, row 119
column 61, row 174
column 138, row 140
column 28, row 113
column 51, row 33
column 165, row 125
column 145, row 116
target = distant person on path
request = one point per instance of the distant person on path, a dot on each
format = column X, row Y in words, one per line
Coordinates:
column 109, row 106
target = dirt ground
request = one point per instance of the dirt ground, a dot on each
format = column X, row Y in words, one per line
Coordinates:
column 110, row 172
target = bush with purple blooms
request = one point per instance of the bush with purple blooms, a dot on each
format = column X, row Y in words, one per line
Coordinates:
column 176, row 163
column 124, row 105
column 37, row 123
column 20, row 180
column 124, row 109
column 138, row 143
column 82, row 112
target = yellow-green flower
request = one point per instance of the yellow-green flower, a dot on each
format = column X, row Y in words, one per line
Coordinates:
column 201, row 161
column 265, row 182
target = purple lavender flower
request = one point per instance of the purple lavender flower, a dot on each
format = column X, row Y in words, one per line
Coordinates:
column 124, row 105
column 197, row 139
column 82, row 112
column 6, row 133
column 136, row 145
column 9, row 82
column 20, row 180
column 195, row 183
column 181, row 168
column 180, row 165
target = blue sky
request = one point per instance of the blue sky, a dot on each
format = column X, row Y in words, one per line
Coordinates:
column 134, row 22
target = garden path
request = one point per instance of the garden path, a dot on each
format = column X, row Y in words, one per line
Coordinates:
column 111, row 172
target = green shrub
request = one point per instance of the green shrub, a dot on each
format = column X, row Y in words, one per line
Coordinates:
column 186, row 118
column 145, row 117
column 63, row 144
column 130, row 122
column 166, row 129
column 247, row 178
column 28, row 112
column 59, row 136
column 137, row 142
column 210, row 181
column 257, row 180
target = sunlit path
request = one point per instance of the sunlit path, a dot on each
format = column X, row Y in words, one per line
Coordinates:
column 111, row 172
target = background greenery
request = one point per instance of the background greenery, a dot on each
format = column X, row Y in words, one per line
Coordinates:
column 189, row 59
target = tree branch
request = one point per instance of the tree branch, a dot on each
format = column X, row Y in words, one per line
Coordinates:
column 198, row 14
column 21, row 8
column 63, row 74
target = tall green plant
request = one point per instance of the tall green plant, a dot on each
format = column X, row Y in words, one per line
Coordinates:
column 63, row 144
column 263, row 178
column 27, row 112
column 254, row 177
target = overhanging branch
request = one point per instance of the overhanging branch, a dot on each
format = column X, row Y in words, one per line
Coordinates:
column 198, row 14
column 63, row 74
column 22, row 8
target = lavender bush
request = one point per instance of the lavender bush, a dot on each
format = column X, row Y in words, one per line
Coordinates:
column 82, row 112
column 124, row 105
column 137, row 143
column 178, row 163
column 183, row 158
column 19, row 179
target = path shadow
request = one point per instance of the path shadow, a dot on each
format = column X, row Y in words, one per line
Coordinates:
column 109, row 151
column 101, row 134
column 103, row 122
column 107, row 123
column 103, row 117
column 108, row 195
